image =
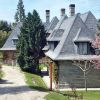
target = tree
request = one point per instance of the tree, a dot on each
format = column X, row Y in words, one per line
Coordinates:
column 16, row 17
column 4, row 26
column 85, row 68
column 31, row 41
column 96, row 43
column 20, row 14
column 5, row 29
column 3, row 36
column 96, row 46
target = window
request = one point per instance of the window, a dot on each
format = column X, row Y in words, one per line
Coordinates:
column 15, row 41
column 83, row 48
column 55, row 44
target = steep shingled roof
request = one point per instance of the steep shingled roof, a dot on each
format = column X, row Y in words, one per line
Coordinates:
column 52, row 24
column 58, row 30
column 9, row 45
column 74, row 29
column 90, row 20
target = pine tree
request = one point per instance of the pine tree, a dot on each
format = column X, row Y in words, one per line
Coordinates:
column 16, row 17
column 31, row 41
column 20, row 14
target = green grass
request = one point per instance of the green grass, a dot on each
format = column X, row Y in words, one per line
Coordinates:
column 42, row 66
column 35, row 82
column 90, row 95
column 55, row 96
column 1, row 74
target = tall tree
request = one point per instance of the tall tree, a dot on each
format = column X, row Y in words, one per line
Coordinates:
column 5, row 29
column 16, row 17
column 20, row 14
column 4, row 26
column 31, row 41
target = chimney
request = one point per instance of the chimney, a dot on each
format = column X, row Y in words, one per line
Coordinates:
column 72, row 9
column 47, row 16
column 62, row 12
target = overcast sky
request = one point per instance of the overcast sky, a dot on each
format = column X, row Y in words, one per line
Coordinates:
column 8, row 7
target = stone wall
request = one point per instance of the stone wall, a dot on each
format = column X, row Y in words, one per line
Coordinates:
column 70, row 75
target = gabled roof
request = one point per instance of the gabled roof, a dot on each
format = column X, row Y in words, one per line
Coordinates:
column 83, row 35
column 84, row 16
column 69, row 23
column 52, row 24
column 9, row 45
column 49, row 26
column 58, row 30
column 74, row 30
column 90, row 20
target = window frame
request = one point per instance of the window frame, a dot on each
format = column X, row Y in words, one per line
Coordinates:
column 83, row 48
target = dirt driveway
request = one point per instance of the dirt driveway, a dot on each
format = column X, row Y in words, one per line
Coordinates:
column 13, row 87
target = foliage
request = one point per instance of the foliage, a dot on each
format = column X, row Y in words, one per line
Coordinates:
column 4, row 26
column 3, row 36
column 5, row 29
column 55, row 72
column 1, row 73
column 96, row 46
column 42, row 66
column 20, row 14
column 96, row 42
column 31, row 41
column 35, row 82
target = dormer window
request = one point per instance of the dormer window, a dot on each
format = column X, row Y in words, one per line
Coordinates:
column 53, row 44
column 15, row 41
column 83, row 48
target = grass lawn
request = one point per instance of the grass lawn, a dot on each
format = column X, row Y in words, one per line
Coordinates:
column 55, row 96
column 90, row 95
column 1, row 75
column 35, row 82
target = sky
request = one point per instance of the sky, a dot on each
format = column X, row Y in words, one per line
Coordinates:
column 8, row 7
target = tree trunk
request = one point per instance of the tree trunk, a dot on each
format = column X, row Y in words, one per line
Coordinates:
column 37, row 67
column 85, row 81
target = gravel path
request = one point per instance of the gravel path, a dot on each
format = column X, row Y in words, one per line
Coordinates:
column 15, row 88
